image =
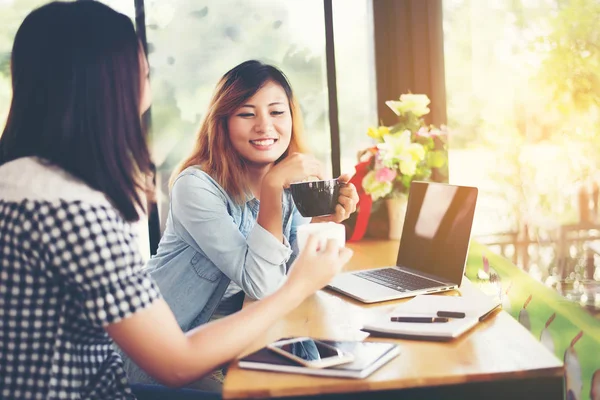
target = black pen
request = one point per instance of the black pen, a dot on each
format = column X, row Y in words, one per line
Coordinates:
column 451, row 314
column 418, row 319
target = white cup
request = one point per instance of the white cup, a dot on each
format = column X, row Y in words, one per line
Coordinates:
column 323, row 231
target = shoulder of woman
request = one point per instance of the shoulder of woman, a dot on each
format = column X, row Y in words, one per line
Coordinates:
column 34, row 179
column 193, row 180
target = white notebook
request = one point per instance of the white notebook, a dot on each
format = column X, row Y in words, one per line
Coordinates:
column 475, row 309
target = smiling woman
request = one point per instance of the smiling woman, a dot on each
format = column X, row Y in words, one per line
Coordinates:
column 243, row 108
column 72, row 173
column 232, row 224
column 260, row 130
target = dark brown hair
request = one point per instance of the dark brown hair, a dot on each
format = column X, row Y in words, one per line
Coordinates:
column 76, row 99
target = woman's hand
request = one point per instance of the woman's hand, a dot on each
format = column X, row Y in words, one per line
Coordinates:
column 314, row 268
column 347, row 202
column 295, row 168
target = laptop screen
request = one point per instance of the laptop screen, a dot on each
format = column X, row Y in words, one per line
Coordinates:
column 437, row 229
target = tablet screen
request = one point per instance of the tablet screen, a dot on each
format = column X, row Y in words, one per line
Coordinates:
column 309, row 350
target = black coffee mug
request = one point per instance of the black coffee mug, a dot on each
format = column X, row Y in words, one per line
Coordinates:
column 316, row 198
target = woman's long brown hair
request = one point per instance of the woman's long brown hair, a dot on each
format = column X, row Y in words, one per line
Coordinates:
column 213, row 150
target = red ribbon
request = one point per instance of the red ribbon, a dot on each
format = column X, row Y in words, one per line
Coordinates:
column 364, row 202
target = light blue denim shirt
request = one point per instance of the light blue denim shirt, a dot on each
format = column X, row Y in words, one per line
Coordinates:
column 210, row 241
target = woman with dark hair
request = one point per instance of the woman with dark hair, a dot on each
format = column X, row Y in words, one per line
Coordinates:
column 72, row 162
column 231, row 227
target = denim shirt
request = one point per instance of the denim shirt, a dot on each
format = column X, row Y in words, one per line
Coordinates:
column 210, row 240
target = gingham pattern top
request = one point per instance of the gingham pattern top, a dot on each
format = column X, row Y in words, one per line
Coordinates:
column 69, row 266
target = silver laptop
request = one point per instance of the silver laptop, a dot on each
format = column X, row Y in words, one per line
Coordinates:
column 433, row 248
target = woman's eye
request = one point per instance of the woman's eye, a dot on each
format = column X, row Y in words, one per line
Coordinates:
column 245, row 115
column 277, row 112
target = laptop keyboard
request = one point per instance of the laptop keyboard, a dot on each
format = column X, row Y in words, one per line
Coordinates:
column 397, row 279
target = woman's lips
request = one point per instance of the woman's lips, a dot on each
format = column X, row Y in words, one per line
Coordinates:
column 263, row 144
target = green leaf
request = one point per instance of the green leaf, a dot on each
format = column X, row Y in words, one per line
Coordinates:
column 406, row 179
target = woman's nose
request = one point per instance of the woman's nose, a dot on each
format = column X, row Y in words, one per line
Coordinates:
column 263, row 123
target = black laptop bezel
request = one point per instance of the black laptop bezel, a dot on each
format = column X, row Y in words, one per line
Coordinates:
column 418, row 272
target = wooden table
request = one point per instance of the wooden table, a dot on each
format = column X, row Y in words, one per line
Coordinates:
column 498, row 359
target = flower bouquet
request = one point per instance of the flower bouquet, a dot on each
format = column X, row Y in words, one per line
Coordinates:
column 407, row 151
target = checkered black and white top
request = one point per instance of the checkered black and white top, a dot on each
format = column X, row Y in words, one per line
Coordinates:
column 69, row 266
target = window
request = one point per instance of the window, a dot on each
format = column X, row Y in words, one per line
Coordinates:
column 355, row 69
column 523, row 90
column 191, row 44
